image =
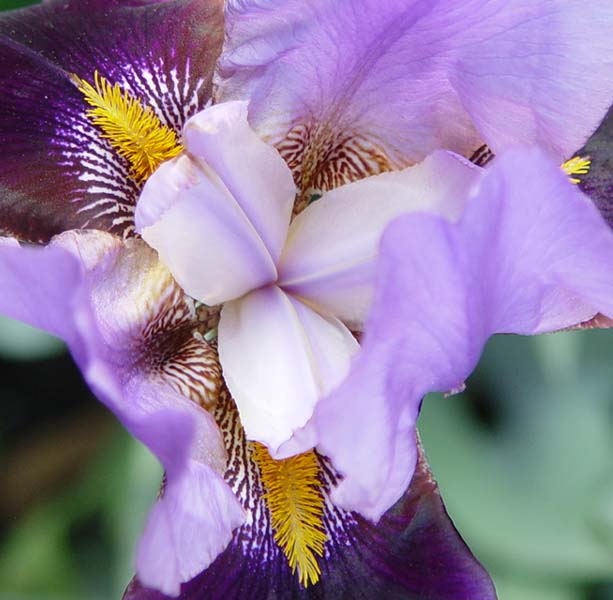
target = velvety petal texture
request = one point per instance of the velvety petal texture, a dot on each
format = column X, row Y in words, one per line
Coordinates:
column 522, row 259
column 598, row 183
column 232, row 193
column 57, row 172
column 70, row 289
column 413, row 553
column 349, row 88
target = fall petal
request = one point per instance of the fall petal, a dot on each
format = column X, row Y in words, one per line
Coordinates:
column 187, row 528
column 414, row 552
column 57, row 172
column 128, row 347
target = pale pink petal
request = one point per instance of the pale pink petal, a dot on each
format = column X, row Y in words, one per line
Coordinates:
column 278, row 358
column 203, row 237
column 330, row 255
column 252, row 171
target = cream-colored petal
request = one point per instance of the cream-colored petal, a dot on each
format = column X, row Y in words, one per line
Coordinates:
column 278, row 358
column 329, row 256
column 218, row 215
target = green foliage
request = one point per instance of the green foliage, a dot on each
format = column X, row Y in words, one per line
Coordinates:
column 80, row 543
column 9, row 4
column 532, row 491
column 21, row 342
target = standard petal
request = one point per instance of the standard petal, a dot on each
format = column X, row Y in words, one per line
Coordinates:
column 413, row 553
column 531, row 254
column 278, row 358
column 354, row 87
column 139, row 352
column 57, row 172
column 330, row 254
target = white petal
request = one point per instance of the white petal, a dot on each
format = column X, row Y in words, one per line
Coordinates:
column 218, row 215
column 203, row 238
column 253, row 171
column 278, row 358
column 331, row 249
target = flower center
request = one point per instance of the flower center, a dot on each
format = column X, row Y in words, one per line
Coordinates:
column 322, row 159
column 292, row 487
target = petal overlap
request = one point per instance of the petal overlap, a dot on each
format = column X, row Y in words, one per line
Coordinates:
column 519, row 261
column 414, row 552
column 199, row 202
column 262, row 186
column 116, row 341
column 331, row 250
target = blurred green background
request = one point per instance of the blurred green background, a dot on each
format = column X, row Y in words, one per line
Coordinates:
column 524, row 459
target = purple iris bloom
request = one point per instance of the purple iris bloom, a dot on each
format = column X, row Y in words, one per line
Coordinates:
column 211, row 268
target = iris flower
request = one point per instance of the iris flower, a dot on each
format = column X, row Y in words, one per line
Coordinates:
column 212, row 267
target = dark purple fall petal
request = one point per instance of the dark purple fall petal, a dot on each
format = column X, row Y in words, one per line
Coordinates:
column 56, row 172
column 598, row 183
column 413, row 553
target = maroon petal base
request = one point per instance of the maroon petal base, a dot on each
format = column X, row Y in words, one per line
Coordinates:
column 598, row 183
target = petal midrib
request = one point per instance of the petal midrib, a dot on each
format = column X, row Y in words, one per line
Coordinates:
column 218, row 182
column 325, row 273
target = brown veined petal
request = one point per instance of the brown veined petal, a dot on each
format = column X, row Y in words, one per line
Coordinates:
column 150, row 326
column 355, row 87
column 130, row 331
